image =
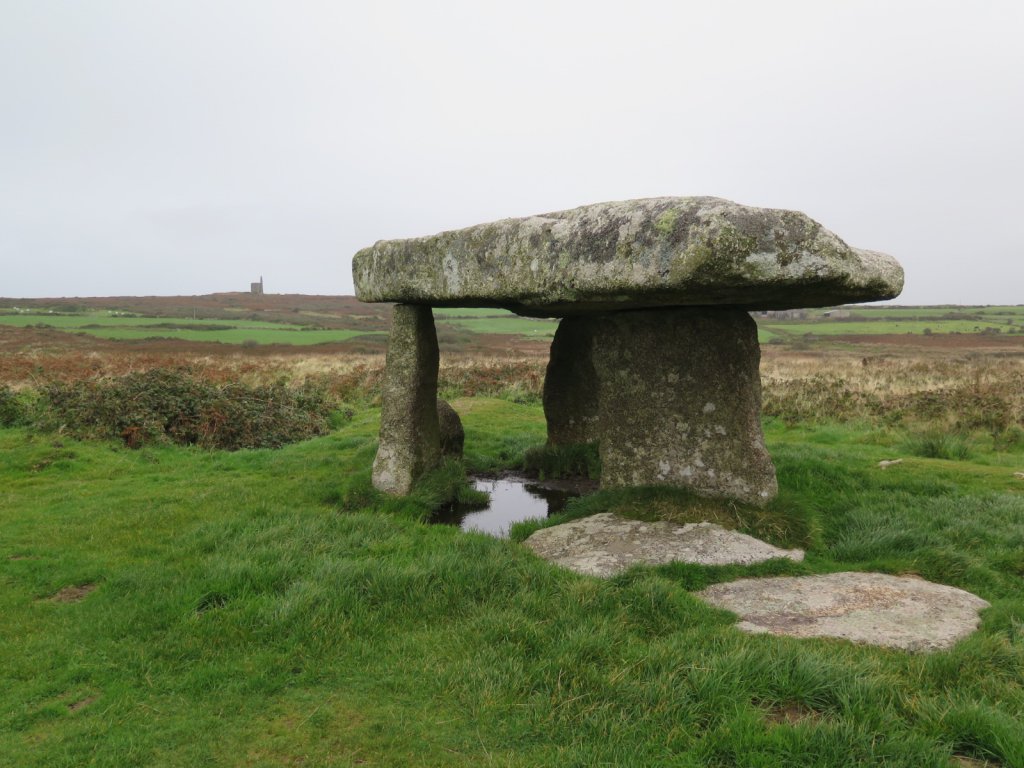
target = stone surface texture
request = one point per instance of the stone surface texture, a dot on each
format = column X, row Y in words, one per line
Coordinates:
column 902, row 612
column 410, row 442
column 680, row 402
column 604, row 544
column 666, row 251
column 453, row 436
column 570, row 385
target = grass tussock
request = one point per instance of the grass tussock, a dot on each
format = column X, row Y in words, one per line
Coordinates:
column 563, row 461
column 934, row 444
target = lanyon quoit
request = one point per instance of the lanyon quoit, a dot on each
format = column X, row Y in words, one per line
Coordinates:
column 655, row 358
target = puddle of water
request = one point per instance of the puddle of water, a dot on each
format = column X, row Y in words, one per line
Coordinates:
column 512, row 499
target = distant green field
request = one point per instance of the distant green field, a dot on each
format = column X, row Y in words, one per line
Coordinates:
column 449, row 312
column 883, row 327
column 484, row 320
column 79, row 321
column 512, row 324
column 906, row 313
column 106, row 326
column 279, row 335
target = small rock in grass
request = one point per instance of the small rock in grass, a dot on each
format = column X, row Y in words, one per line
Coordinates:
column 453, row 436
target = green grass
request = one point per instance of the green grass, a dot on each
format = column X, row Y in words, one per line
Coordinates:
column 848, row 327
column 268, row 335
column 869, row 320
column 232, row 331
column 83, row 319
column 469, row 312
column 268, row 608
column 519, row 326
column 931, row 312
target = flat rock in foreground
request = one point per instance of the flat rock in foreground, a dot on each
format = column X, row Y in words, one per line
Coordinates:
column 664, row 251
column 604, row 544
column 902, row 612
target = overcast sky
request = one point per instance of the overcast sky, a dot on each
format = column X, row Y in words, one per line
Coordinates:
column 190, row 146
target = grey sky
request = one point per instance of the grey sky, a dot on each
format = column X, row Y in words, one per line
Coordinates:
column 189, row 146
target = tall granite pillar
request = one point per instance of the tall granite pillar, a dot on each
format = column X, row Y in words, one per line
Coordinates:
column 680, row 402
column 570, row 384
column 410, row 442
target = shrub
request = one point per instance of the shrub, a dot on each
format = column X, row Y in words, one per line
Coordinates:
column 12, row 409
column 177, row 406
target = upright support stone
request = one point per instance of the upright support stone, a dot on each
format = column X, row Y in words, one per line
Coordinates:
column 410, row 442
column 680, row 402
column 570, row 385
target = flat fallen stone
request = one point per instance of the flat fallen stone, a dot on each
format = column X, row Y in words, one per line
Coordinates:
column 633, row 254
column 604, row 544
column 904, row 612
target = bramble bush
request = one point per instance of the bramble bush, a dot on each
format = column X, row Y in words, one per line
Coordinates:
column 12, row 408
column 178, row 406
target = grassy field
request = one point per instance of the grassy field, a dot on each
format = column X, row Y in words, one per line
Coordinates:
column 235, row 331
column 170, row 605
column 307, row 321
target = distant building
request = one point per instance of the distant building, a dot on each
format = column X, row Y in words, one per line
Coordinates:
column 256, row 289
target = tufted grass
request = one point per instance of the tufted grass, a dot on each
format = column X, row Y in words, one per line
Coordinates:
column 268, row 608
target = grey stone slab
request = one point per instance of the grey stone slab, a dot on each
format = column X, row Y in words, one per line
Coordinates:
column 604, row 544
column 571, row 404
column 902, row 612
column 410, row 441
column 680, row 402
column 665, row 251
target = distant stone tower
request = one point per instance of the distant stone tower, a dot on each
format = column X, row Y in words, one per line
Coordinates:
column 256, row 289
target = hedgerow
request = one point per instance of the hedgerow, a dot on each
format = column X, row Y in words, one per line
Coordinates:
column 175, row 405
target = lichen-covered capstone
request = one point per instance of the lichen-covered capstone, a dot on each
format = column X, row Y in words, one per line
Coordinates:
column 658, row 252
column 453, row 436
column 410, row 442
column 570, row 385
column 680, row 402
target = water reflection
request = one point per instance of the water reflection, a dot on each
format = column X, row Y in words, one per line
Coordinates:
column 512, row 499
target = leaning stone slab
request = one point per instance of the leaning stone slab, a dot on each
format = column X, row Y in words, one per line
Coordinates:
column 604, row 544
column 665, row 251
column 902, row 612
column 571, row 404
column 410, row 441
